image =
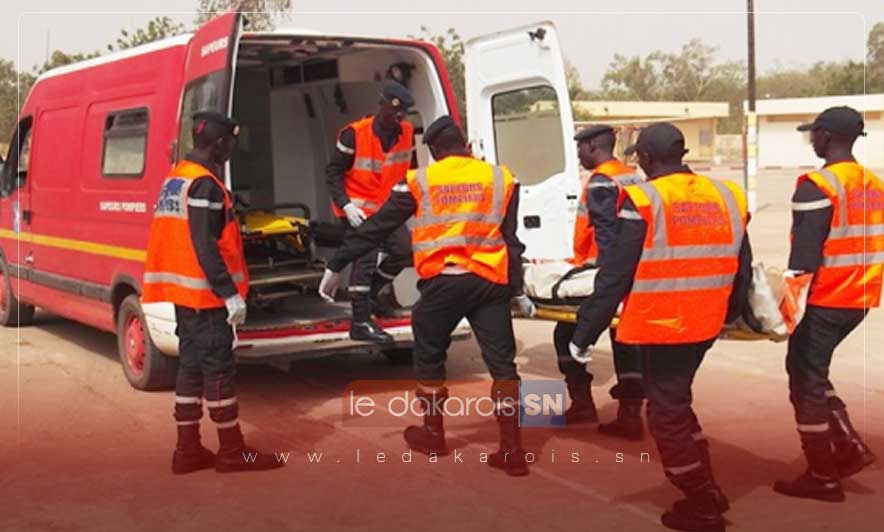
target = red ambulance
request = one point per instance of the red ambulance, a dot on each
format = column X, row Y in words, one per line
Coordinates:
column 96, row 139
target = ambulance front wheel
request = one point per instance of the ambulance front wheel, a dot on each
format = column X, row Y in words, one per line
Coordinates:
column 145, row 367
column 13, row 313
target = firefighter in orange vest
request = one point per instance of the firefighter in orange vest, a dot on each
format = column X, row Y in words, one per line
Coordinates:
column 838, row 236
column 468, row 258
column 373, row 154
column 593, row 238
column 683, row 264
column 195, row 260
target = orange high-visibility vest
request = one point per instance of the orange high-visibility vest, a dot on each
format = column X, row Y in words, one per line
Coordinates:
column 461, row 204
column 691, row 254
column 619, row 175
column 172, row 272
column 853, row 254
column 370, row 180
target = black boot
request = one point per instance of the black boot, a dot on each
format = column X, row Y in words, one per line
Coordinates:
column 235, row 455
column 430, row 437
column 190, row 455
column 851, row 453
column 722, row 502
column 698, row 512
column 510, row 457
column 629, row 424
column 362, row 327
column 820, row 482
column 582, row 409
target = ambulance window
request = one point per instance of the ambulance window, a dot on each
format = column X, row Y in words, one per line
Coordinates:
column 528, row 133
column 125, row 143
column 15, row 168
column 200, row 95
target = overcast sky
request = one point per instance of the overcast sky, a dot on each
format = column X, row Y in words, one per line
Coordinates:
column 789, row 32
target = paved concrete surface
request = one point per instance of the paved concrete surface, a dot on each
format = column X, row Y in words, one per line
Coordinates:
column 81, row 450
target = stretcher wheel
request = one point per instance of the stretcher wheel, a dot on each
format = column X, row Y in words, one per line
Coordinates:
column 145, row 367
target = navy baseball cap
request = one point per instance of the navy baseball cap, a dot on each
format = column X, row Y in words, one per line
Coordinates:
column 397, row 95
column 839, row 120
column 659, row 140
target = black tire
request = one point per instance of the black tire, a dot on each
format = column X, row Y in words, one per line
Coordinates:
column 145, row 367
column 13, row 313
column 399, row 355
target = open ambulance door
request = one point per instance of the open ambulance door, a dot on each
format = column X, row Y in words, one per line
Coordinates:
column 519, row 115
column 209, row 70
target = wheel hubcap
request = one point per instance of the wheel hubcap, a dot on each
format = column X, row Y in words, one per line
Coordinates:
column 134, row 343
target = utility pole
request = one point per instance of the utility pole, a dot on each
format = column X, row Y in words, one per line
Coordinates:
column 750, row 153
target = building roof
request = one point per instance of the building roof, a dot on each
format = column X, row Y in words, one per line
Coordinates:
column 654, row 110
column 812, row 106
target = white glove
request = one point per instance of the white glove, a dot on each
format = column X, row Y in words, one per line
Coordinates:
column 582, row 356
column 793, row 273
column 236, row 310
column 329, row 285
column 355, row 215
column 526, row 306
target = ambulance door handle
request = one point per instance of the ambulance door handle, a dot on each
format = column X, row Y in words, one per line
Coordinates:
column 26, row 216
column 29, row 259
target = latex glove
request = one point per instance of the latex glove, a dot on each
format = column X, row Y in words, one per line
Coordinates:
column 582, row 356
column 236, row 310
column 526, row 306
column 355, row 215
column 329, row 285
column 793, row 273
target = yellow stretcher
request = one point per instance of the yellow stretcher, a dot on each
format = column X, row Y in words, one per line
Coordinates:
column 569, row 315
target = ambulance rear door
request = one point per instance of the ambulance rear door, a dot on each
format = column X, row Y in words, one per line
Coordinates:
column 519, row 115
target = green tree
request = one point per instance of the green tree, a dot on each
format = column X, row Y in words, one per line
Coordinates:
column 59, row 58
column 875, row 59
column 157, row 29
column 451, row 48
column 631, row 78
column 258, row 13
column 12, row 85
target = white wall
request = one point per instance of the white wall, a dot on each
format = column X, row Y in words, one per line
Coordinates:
column 779, row 144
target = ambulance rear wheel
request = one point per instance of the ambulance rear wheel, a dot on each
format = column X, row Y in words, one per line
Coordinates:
column 145, row 367
column 399, row 355
column 13, row 313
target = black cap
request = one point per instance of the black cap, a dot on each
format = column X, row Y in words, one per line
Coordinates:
column 659, row 140
column 397, row 94
column 229, row 123
column 439, row 125
column 591, row 131
column 839, row 120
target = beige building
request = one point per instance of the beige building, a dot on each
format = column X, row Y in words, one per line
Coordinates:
column 697, row 120
column 780, row 145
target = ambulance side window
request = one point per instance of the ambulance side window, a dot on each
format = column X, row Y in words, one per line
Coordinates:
column 125, row 143
column 15, row 168
column 528, row 133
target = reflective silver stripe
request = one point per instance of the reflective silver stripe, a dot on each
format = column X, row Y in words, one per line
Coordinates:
column 854, row 259
column 730, row 200
column 801, row 206
column 680, row 470
column 819, row 427
column 359, row 289
column 846, row 231
column 833, row 180
column 371, row 165
column 205, row 204
column 397, row 157
column 602, row 184
column 460, row 240
column 629, row 179
column 427, row 218
column 221, row 403
column 627, row 214
column 831, row 393
column 629, row 375
column 227, row 424
column 400, row 187
column 185, row 423
column 454, row 269
column 384, row 274
column 659, row 214
column 690, row 252
column 345, row 149
column 181, row 400
column 682, row 284
column 182, row 280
